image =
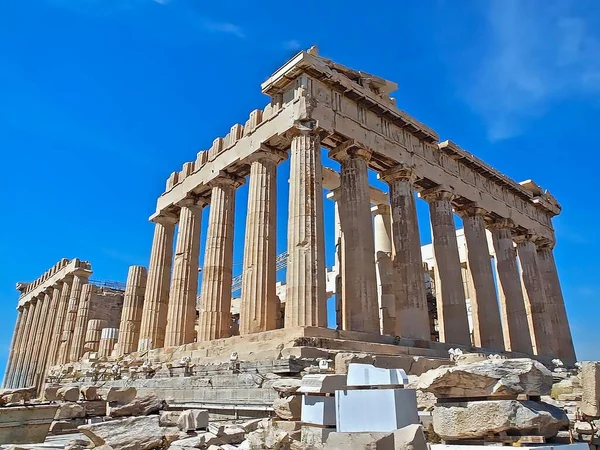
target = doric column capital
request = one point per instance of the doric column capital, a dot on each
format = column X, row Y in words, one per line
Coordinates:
column 529, row 236
column 470, row 210
column 302, row 127
column 268, row 154
column 190, row 202
column 381, row 209
column 225, row 179
column 334, row 194
column 399, row 172
column 545, row 244
column 350, row 149
column 501, row 224
column 165, row 219
column 436, row 194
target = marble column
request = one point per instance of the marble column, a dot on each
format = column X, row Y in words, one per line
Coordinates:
column 63, row 304
column 334, row 196
column 449, row 290
column 67, row 335
column 14, row 343
column 93, row 334
column 28, row 311
column 131, row 315
column 359, row 279
column 259, row 304
column 408, row 276
column 538, row 315
column 54, row 294
column 156, row 297
column 487, row 326
column 563, row 341
column 81, row 322
column 215, row 296
column 512, row 303
column 108, row 338
column 305, row 281
column 382, row 231
column 34, row 376
column 29, row 362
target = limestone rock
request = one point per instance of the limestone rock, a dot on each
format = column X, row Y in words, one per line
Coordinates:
column 192, row 419
column 65, row 426
column 121, row 395
column 50, row 393
column 360, row 441
column 139, row 406
column 68, row 393
column 267, row 438
column 288, row 408
column 286, row 386
column 477, row 419
column 569, row 385
column 410, row 437
column 590, row 383
column 69, row 410
column 342, row 361
column 21, row 395
column 469, row 358
column 492, row 377
column 89, row 393
column 78, row 444
column 95, row 408
column 251, row 425
column 232, row 434
column 169, row 418
column 132, row 433
column 202, row 440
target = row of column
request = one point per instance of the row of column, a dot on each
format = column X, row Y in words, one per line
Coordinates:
column 526, row 297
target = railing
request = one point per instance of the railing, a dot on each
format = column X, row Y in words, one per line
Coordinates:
column 116, row 285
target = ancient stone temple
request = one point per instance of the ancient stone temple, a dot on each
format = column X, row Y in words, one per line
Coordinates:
column 515, row 298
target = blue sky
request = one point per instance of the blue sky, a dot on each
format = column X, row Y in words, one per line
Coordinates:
column 102, row 99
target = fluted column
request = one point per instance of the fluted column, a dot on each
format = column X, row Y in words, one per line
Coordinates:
column 487, row 326
column 412, row 316
column 538, row 315
column 563, row 341
column 382, row 231
column 63, row 304
column 13, row 347
column 29, row 349
column 334, row 196
column 181, row 314
column 67, row 336
column 54, row 295
column 305, row 281
column 93, row 334
column 449, row 290
column 36, row 358
column 515, row 327
column 131, row 315
column 359, row 279
column 259, row 304
column 215, row 296
column 81, row 322
column 28, row 312
column 108, row 338
column 156, row 297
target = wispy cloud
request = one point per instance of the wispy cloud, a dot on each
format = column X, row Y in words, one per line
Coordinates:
column 532, row 58
column 223, row 27
column 292, row 44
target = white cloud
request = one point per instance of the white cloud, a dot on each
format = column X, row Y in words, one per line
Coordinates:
column 224, row 27
column 292, row 44
column 533, row 56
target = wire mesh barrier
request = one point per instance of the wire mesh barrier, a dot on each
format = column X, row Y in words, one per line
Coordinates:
column 116, row 285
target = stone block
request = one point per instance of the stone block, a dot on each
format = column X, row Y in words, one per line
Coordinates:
column 590, row 383
column 369, row 375
column 342, row 360
column 51, row 393
column 267, row 438
column 121, row 395
column 410, row 437
column 288, row 408
column 89, row 393
column 34, row 423
column 95, row 408
column 286, row 386
column 289, row 426
column 472, row 420
column 202, row 440
column 192, row 419
column 322, row 383
column 315, row 435
column 318, row 410
column 69, row 410
column 64, row 426
column 360, row 441
column 375, row 410
column 68, row 393
column 497, row 377
column 139, row 406
column 169, row 418
column 20, row 395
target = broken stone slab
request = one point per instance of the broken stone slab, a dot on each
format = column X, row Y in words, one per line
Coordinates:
column 79, row 444
column 251, row 425
column 232, row 434
column 315, row 436
column 286, row 386
column 27, row 424
column 169, row 418
column 69, row 410
column 121, row 395
column 267, row 438
column 288, row 408
column 65, row 426
column 50, row 393
column 342, row 360
column 494, row 377
column 139, row 406
column 68, row 393
column 576, row 397
column 322, row 383
column 132, row 433
column 469, row 358
column 94, row 408
column 369, row 375
column 469, row 420
column 202, row 440
column 21, row 395
column 410, row 437
column 571, row 385
column 360, row 441
column 590, row 384
column 89, row 393
column 192, row 419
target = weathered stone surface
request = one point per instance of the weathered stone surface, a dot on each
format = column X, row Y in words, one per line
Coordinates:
column 139, row 406
column 267, row 438
column 320, row 383
column 477, row 419
column 343, row 360
column 50, row 393
column 488, row 378
column 89, row 393
column 95, row 408
column 69, row 411
column 65, row 426
column 202, row 440
column 192, row 419
column 590, row 383
column 315, row 436
column 410, row 437
column 286, row 386
column 569, row 385
column 133, row 433
column 288, row 408
column 79, row 444
column 169, row 418
column 360, row 441
column 251, row 425
column 121, row 395
column 23, row 395
column 68, row 394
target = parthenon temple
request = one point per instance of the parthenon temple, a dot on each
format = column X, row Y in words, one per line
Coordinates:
column 495, row 287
